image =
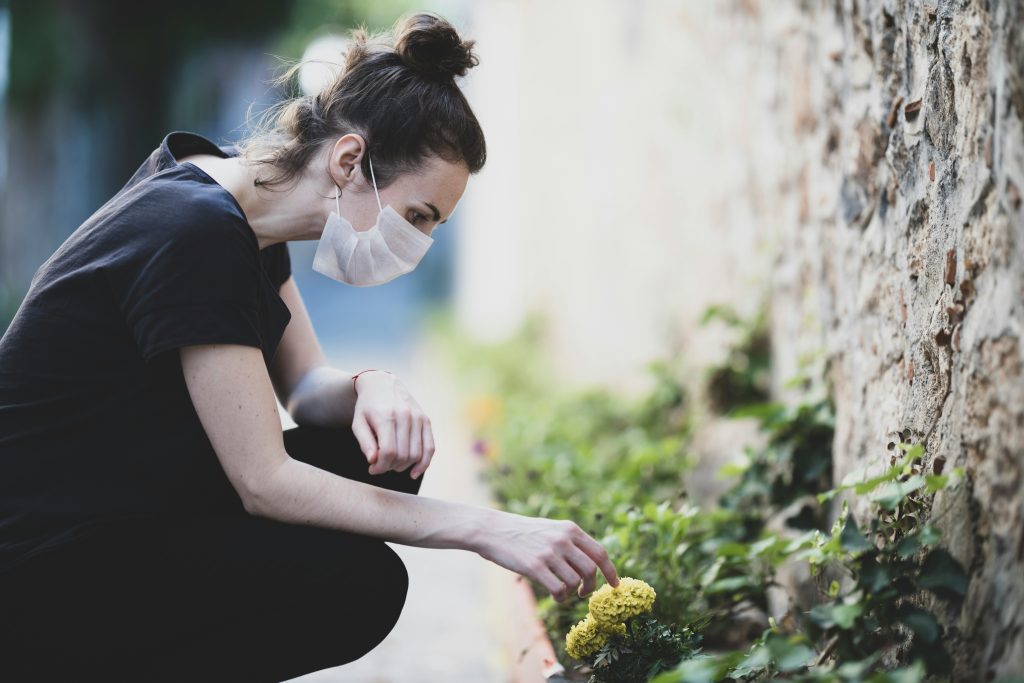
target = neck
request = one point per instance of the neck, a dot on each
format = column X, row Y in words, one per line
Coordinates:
column 291, row 211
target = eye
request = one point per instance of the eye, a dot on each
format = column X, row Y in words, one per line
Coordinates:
column 418, row 217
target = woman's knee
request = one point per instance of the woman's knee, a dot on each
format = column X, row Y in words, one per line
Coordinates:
column 391, row 576
column 373, row 604
column 323, row 619
column 345, row 565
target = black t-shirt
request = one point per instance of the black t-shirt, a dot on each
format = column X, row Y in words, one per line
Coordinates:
column 96, row 421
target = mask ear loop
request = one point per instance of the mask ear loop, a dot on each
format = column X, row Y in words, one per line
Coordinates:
column 370, row 159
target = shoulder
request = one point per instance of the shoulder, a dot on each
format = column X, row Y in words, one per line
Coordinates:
column 172, row 243
column 192, row 216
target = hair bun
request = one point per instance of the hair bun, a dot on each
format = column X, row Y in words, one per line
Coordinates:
column 429, row 44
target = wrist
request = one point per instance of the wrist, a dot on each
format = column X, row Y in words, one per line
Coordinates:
column 363, row 373
column 481, row 530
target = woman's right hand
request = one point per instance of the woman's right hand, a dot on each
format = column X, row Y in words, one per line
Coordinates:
column 551, row 552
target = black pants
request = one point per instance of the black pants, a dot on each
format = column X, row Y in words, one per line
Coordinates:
column 223, row 598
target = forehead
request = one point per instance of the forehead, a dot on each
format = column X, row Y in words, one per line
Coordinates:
column 439, row 182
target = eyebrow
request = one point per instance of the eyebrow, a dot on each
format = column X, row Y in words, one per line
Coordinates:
column 437, row 214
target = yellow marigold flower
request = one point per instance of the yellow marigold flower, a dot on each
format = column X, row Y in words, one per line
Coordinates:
column 586, row 637
column 631, row 597
column 617, row 628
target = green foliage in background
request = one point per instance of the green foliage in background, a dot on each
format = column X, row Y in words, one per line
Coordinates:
column 648, row 648
column 54, row 44
column 615, row 467
column 309, row 19
column 618, row 467
column 795, row 465
column 100, row 51
column 743, row 377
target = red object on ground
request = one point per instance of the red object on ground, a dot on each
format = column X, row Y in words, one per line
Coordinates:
column 534, row 658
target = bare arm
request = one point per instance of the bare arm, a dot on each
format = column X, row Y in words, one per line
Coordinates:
column 315, row 393
column 234, row 399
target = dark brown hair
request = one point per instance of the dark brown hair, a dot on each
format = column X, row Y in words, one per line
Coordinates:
column 396, row 89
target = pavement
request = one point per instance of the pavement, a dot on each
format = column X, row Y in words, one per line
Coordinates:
column 462, row 616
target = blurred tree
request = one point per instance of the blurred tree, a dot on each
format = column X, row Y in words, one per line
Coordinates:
column 95, row 84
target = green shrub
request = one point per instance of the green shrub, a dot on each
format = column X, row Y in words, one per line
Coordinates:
column 618, row 468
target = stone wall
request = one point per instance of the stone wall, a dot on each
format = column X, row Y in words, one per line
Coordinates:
column 907, row 258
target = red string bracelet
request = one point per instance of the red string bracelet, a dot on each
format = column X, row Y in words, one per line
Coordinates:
column 366, row 370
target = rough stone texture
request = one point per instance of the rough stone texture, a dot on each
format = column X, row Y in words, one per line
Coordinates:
column 904, row 124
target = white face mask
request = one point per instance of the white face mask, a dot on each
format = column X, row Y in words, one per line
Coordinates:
column 392, row 247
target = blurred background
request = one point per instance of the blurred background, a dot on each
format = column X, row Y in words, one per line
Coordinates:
column 839, row 165
column 614, row 149
column 90, row 88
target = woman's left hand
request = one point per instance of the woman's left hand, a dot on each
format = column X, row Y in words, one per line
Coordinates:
column 390, row 426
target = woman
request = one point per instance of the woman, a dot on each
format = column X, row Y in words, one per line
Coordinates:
column 155, row 522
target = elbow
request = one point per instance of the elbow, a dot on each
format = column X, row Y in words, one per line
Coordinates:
column 260, row 492
column 256, row 499
column 251, row 505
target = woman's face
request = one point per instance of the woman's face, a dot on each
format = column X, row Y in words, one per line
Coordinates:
column 425, row 198
column 428, row 197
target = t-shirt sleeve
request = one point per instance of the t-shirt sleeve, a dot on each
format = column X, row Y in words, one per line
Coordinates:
column 193, row 280
column 277, row 262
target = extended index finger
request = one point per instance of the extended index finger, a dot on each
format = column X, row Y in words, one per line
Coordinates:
column 600, row 557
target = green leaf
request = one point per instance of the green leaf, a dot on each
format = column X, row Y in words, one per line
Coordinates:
column 732, row 549
column 920, row 622
column 930, row 535
column 909, row 674
column 942, row 481
column 857, row 671
column 842, row 615
column 908, row 545
column 789, row 656
column 731, row 583
column 845, row 614
column 869, row 485
column 732, row 469
column 913, row 451
column 851, row 539
column 940, row 572
column 723, row 312
column 892, row 494
column 826, row 495
column 756, row 661
column 798, row 542
column 758, row 547
column 711, row 573
column 766, row 412
column 874, row 577
column 701, row 668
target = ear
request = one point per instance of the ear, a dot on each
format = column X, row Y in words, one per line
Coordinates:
column 345, row 156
